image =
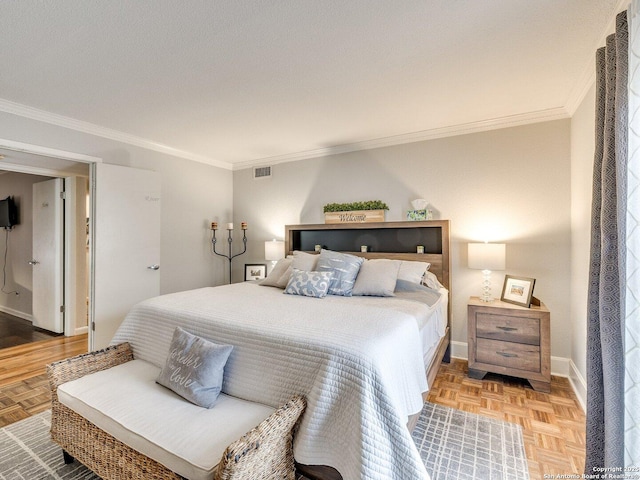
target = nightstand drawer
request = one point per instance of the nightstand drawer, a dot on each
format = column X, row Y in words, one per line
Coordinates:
column 508, row 328
column 512, row 355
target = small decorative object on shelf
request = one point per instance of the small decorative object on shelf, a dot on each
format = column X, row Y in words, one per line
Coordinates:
column 420, row 211
column 420, row 249
column 229, row 256
column 356, row 212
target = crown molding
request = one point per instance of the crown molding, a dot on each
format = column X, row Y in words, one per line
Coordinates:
column 588, row 78
column 579, row 92
column 432, row 134
column 7, row 106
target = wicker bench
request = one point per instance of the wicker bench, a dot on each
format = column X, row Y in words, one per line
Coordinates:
column 264, row 452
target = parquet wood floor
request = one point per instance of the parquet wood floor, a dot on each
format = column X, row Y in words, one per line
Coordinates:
column 553, row 424
column 24, row 389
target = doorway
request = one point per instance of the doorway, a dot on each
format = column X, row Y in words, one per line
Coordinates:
column 19, row 172
column 138, row 194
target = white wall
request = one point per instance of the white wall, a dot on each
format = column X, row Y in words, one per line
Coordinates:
column 510, row 185
column 193, row 194
column 19, row 274
column 582, row 151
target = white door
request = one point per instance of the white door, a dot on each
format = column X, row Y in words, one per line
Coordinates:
column 125, row 245
column 47, row 255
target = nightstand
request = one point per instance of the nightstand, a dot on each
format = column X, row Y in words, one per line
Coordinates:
column 510, row 340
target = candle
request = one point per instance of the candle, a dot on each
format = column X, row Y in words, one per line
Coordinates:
column 214, row 225
column 318, row 248
column 229, row 226
column 420, row 249
column 243, row 225
column 363, row 248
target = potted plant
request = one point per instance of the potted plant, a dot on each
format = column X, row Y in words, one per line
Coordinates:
column 355, row 212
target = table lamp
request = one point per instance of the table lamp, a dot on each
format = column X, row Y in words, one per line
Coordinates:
column 487, row 257
column 273, row 251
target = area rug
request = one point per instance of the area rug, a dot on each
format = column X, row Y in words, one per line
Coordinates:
column 457, row 445
column 454, row 445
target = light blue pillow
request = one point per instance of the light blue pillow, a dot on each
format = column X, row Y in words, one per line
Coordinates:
column 309, row 284
column 194, row 368
column 345, row 269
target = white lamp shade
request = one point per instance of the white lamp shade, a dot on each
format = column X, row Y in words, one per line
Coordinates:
column 487, row 256
column 274, row 250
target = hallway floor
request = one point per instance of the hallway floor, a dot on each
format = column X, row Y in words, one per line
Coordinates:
column 17, row 331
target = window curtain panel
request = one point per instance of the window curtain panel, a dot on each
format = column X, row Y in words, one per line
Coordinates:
column 632, row 300
column 606, row 296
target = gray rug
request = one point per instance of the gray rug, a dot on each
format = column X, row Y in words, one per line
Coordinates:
column 457, row 445
column 454, row 445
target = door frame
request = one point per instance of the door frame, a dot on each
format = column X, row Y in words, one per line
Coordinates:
column 70, row 284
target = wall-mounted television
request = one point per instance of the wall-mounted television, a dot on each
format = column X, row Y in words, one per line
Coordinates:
column 8, row 213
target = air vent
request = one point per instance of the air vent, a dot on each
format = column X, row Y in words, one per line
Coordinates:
column 262, row 172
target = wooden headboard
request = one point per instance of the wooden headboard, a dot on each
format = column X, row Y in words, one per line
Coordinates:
column 395, row 240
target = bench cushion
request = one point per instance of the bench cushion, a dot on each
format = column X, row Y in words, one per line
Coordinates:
column 125, row 402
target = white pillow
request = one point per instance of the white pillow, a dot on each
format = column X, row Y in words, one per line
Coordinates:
column 377, row 278
column 413, row 271
column 431, row 281
column 304, row 261
column 279, row 275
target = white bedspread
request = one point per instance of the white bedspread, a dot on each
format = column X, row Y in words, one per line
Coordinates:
column 358, row 360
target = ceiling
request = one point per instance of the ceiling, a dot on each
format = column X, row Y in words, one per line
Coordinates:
column 248, row 82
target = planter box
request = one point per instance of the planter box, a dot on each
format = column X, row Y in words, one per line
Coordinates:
column 356, row 216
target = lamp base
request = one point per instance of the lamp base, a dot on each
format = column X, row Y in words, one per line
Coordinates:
column 486, row 286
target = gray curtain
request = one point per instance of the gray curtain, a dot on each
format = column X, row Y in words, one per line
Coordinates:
column 605, row 329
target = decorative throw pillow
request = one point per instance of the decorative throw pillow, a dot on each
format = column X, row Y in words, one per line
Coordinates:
column 194, row 368
column 377, row 278
column 309, row 284
column 413, row 271
column 279, row 276
column 345, row 269
column 304, row 261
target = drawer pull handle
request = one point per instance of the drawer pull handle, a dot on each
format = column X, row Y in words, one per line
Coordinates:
column 507, row 329
column 507, row 355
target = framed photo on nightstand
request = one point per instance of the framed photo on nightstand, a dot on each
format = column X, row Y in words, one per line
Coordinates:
column 255, row 271
column 518, row 290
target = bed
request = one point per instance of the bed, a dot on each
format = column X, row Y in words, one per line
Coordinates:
column 359, row 361
column 394, row 240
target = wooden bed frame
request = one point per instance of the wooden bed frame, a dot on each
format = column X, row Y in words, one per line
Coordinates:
column 393, row 240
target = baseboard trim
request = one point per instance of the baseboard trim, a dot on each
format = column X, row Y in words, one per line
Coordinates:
column 80, row 331
column 560, row 367
column 16, row 313
column 579, row 385
column 459, row 350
